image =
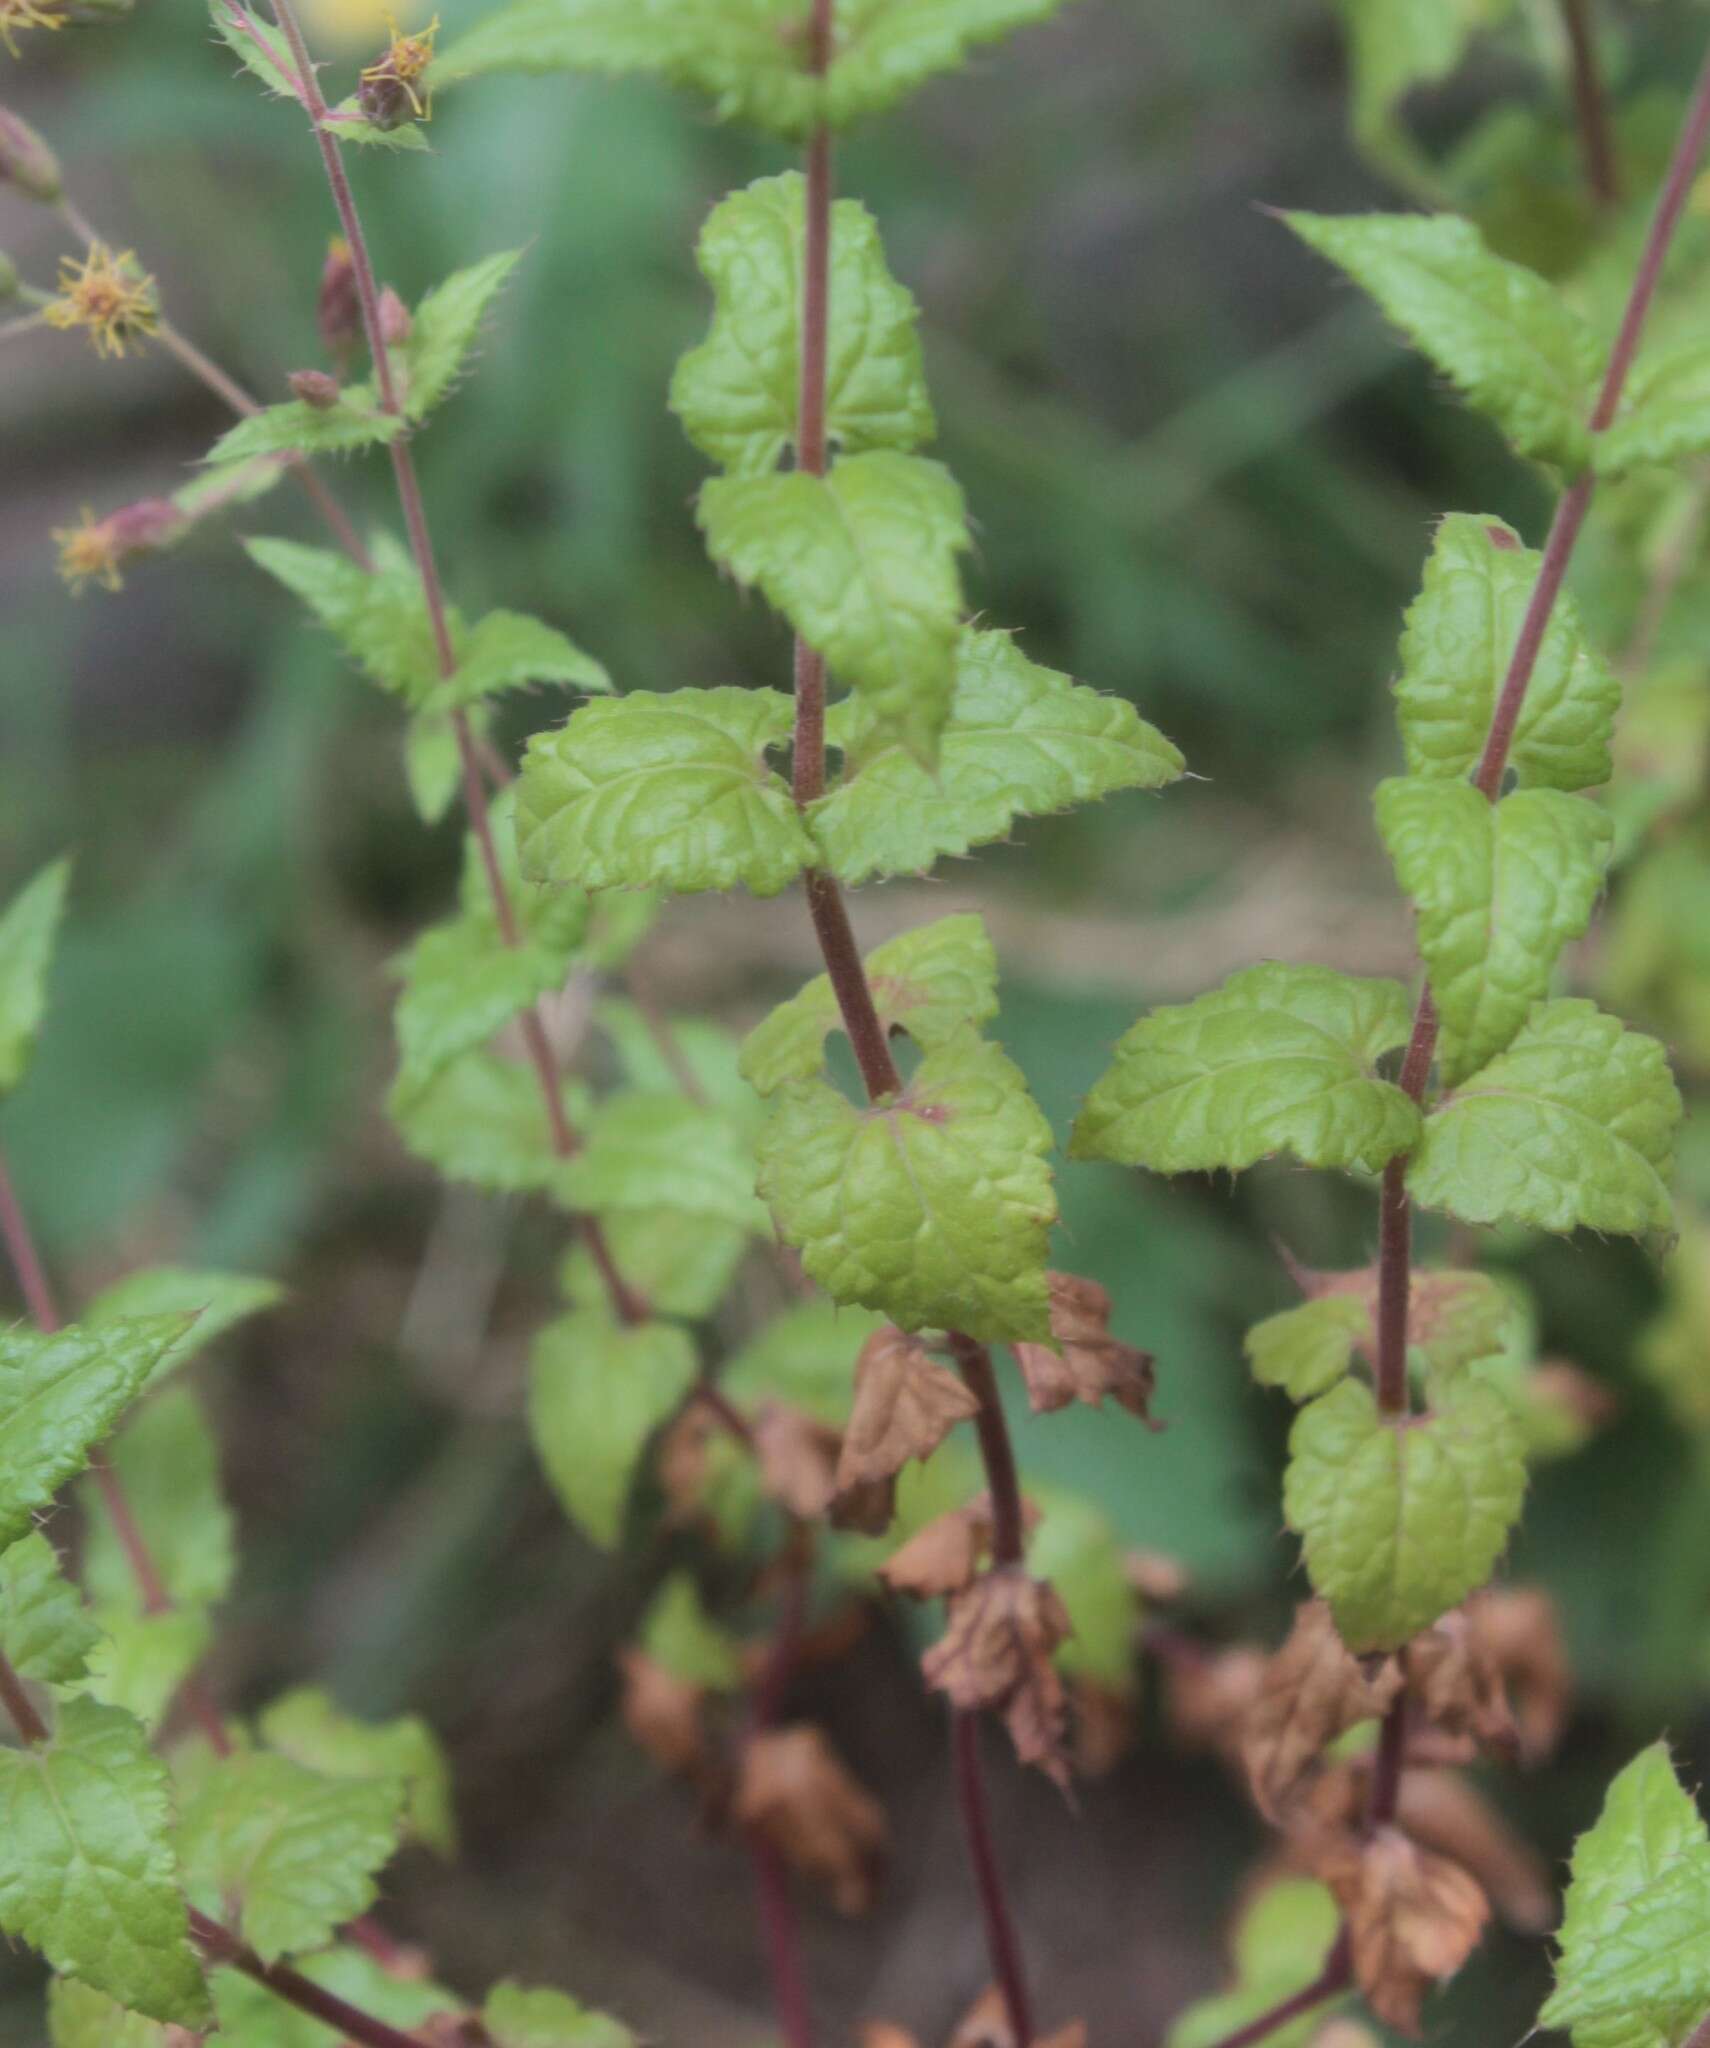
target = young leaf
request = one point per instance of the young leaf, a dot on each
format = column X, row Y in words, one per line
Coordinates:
column 681, row 1638
column 1499, row 889
column 683, row 1264
column 87, row 1874
column 260, row 50
column 217, row 1301
column 59, row 1396
column 296, row 428
column 1573, row 1126
column 512, row 651
column 1075, row 1549
column 929, row 982
column 1020, row 741
column 1280, row 1946
column 462, row 983
column 518, row 2018
column 1402, row 1518
column 480, row 1118
column 433, row 764
column 862, row 562
column 645, row 1151
column 661, row 1053
column 1507, row 338
column 142, row 1660
column 1633, row 1970
column 1304, row 1350
column 28, row 926
column 736, row 394
column 887, row 48
column 1278, row 1059
column 169, row 1465
column 670, row 791
column 380, row 620
column 1455, row 653
column 444, row 326
column 306, row 1726
column 347, row 123
column 46, row 1632
column 934, row 1207
column 81, row 2018
column 597, row 1392
column 295, row 1852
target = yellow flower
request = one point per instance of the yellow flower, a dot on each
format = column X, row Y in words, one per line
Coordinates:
column 111, row 295
column 385, row 88
column 89, row 553
column 21, row 14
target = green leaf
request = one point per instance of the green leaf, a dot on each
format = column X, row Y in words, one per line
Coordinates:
column 306, row 1726
column 1665, row 416
column 644, row 1151
column 862, row 562
column 700, row 1052
column 217, row 1301
column 679, row 1634
column 929, row 983
column 933, row 1207
column 518, row 2018
column 1075, row 1546
column 433, row 765
column 1401, row 1519
column 81, row 2018
column 380, row 620
column 1634, row 1971
column 888, row 48
column 444, row 326
column 1278, row 1059
column 737, row 393
column 252, row 2016
column 86, row 1868
column 597, row 1392
column 1503, row 335
column 670, row 791
column 46, row 1632
column 1461, row 631
column 261, row 51
column 169, row 1466
column 1306, row 1349
column 1280, row 1946
column 682, row 1264
column 1573, row 1126
column 142, row 1660
column 1499, row 890
column 805, row 1358
column 28, row 927
column 481, row 1118
column 512, row 651
column 295, row 428
column 347, row 123
column 293, row 1851
column 59, row 1396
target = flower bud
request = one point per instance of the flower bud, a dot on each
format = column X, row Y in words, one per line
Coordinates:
column 338, row 313
column 26, row 161
column 395, row 320
column 314, row 387
column 385, row 100
column 93, row 551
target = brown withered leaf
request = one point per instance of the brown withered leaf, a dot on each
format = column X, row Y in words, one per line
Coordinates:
column 996, row 1652
column 1459, row 1686
column 906, row 1404
column 796, row 1791
column 1518, row 1629
column 797, row 1458
column 986, row 2025
column 1413, row 1918
column 1156, row 1576
column 452, row 2030
column 1313, row 1690
column 886, row 2034
column 1345, row 2033
column 1091, row 1364
column 1442, row 1810
column 1209, row 1693
column 869, row 1508
column 663, row 1714
column 942, row 1558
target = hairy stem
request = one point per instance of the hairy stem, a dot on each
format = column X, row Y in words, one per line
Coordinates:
column 1336, row 1977
column 1590, row 105
column 219, row 1945
column 626, row 1304
column 1002, row 1944
column 20, row 1708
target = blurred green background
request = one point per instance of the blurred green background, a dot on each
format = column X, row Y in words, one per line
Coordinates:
column 1202, row 476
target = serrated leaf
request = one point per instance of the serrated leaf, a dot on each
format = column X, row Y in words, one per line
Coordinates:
column 481, row 1118
column 443, row 329
column 46, row 1632
column 293, row 1851
column 1665, row 416
column 1499, row 889
column 259, row 50
column 644, row 1151
column 141, row 1661
column 1633, row 1970
column 1401, row 1519
column 380, row 620
column 1502, row 334
column 862, row 562
column 1572, row 1127
column 803, row 1358
column 28, row 927
column 221, row 486
column 295, row 428
column 512, row 651
column 59, row 1396
column 1278, row 1059
column 87, row 1874
column 81, row 2018
column 682, row 1264
column 1020, row 741
column 681, row 1637
column 169, row 1466
column 1280, row 1945
column 670, row 791
column 1306, row 1349
column 347, row 123
column 1455, row 652
column 217, row 1301
column 309, row 1728
column 518, row 2018
column 933, row 1207
column 736, row 394
column 1075, row 1547
column 597, row 1392
column 929, row 982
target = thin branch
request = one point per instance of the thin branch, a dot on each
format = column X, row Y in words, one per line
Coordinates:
column 779, row 1922
column 219, row 1945
column 1336, row 1977
column 1386, row 1772
column 1590, row 105
column 20, row 1708
column 1002, row 1942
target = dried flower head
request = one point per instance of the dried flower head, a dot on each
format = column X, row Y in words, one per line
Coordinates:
column 24, row 14
column 92, row 551
column 391, row 91
column 112, row 295
column 338, row 314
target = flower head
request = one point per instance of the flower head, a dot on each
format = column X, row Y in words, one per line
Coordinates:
column 391, row 91
column 23, row 14
column 112, row 295
column 92, row 551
